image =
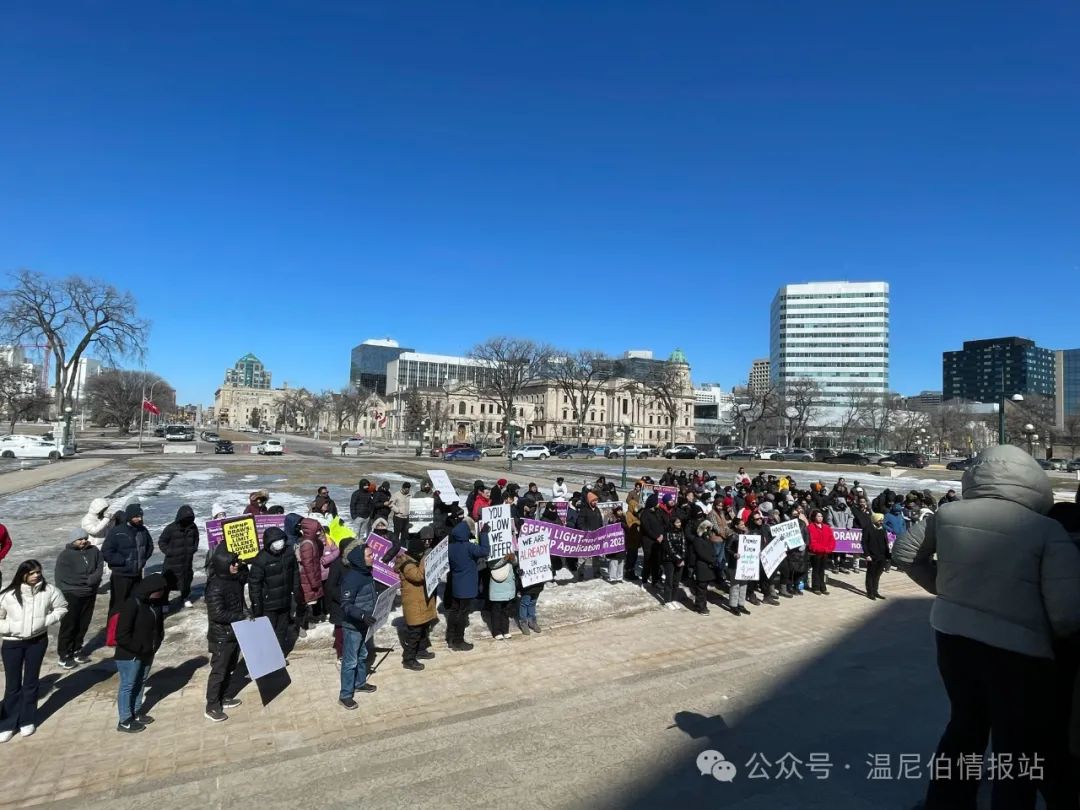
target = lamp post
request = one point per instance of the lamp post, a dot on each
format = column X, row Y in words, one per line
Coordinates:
column 627, row 431
column 1001, row 408
column 142, row 410
column 67, row 428
column 511, row 429
column 1031, row 436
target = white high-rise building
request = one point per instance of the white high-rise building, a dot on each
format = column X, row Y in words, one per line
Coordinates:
column 835, row 333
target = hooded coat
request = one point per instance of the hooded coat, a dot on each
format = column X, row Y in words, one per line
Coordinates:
column 464, row 580
column 418, row 607
column 1005, row 574
column 360, row 502
column 180, row 540
column 141, row 626
column 357, row 591
column 839, row 516
column 127, row 547
column 96, row 521
column 309, row 554
column 78, row 571
column 274, row 577
column 224, row 599
column 380, row 502
column 894, row 519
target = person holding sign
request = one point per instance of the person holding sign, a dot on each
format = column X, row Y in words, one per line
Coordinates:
column 273, row 583
column 224, row 605
column 737, row 587
column 501, row 591
column 357, row 612
column 418, row 607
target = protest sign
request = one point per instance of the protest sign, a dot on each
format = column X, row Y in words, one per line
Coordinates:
column 662, row 491
column 500, row 525
column 241, row 537
column 567, row 542
column 421, row 513
column 383, row 572
column 746, row 567
column 772, row 555
column 534, row 557
column 260, row 647
column 436, row 565
column 383, row 605
column 789, row 533
column 849, row 541
column 440, row 482
column 262, row 523
column 607, row 509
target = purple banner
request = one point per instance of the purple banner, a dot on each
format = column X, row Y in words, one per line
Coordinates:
column 262, row 523
column 849, row 541
column 567, row 542
column 382, row 572
column 662, row 491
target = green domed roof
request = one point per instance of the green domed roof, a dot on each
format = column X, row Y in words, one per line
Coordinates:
column 677, row 356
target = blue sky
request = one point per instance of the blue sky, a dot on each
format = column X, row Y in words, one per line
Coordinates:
column 290, row 178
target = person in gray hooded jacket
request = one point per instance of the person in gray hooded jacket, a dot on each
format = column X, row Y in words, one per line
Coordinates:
column 1006, row 580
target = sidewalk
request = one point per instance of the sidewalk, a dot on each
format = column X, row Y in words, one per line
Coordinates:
column 77, row 757
column 19, row 480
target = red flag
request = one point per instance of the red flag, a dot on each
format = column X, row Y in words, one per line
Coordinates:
column 149, row 406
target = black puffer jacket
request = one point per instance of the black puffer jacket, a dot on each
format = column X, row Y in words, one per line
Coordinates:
column 180, row 540
column 654, row 523
column 224, row 599
column 360, row 502
column 380, row 503
column 140, row 628
column 274, row 577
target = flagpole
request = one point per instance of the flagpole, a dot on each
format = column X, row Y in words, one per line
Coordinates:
column 142, row 406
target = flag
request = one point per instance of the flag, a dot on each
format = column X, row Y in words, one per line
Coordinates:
column 150, row 407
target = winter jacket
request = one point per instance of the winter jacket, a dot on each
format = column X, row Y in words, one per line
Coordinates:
column 399, row 504
column 839, row 517
column 78, row 570
column 894, row 520
column 1005, row 574
column 633, row 509
column 42, row 606
column 330, row 552
column 96, row 521
column 503, row 591
column 480, row 503
column 463, row 558
column 875, row 544
column 357, row 591
column 224, row 600
column 140, row 629
column 654, row 523
column 332, row 591
column 560, row 492
column 704, row 557
column 179, row 541
column 380, row 504
column 822, row 540
column 589, row 518
column 272, row 582
column 309, row 554
column 360, row 502
column 799, row 558
column 127, row 548
column 673, row 548
column 417, row 606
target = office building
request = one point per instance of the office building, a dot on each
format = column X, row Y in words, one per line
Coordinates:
column 248, row 373
column 984, row 369
column 369, row 361
column 759, row 376
column 411, row 370
column 835, row 334
column 1067, row 388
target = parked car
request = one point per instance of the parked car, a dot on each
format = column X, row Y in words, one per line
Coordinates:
column 767, row 452
column 722, row 449
column 442, row 451
column 874, row 456
column 31, row 447
column 822, row 453
column 579, row 452
column 1045, row 464
column 494, row 450
column 632, row 451
column 353, row 441
column 849, row 457
column 209, row 436
column 1073, row 466
column 683, row 451
column 960, row 464
column 531, row 451
column 916, row 460
column 269, row 447
column 159, row 432
column 460, row 453
column 223, row 446
column 744, row 454
column 793, row 454
column 1058, row 463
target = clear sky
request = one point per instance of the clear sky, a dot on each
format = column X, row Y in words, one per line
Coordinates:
column 292, row 177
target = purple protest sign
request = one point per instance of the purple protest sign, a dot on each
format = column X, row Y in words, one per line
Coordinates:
column 567, row 542
column 214, row 534
column 382, row 572
column 849, row 541
column 662, row 491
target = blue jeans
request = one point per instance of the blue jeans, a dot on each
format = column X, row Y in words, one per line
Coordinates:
column 721, row 558
column 353, row 662
column 132, row 677
column 526, row 607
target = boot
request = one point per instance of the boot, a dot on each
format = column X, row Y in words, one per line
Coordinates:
column 534, row 626
column 523, row 626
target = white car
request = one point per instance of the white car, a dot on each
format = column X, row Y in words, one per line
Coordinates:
column 31, row 447
column 355, row 441
column 767, row 453
column 632, row 451
column 531, row 451
column 270, row 447
column 495, row 450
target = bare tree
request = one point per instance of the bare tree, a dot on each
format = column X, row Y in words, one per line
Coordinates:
column 116, row 396
column 1034, row 410
column 579, row 376
column 852, row 415
column 907, row 426
column 1071, row 434
column 669, row 384
column 754, row 407
column 21, row 394
column 508, row 366
column 878, row 414
column 291, row 409
column 71, row 316
column 798, row 406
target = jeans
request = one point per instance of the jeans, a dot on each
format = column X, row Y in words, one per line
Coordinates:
column 353, row 664
column 132, row 678
column 873, row 575
column 615, row 569
column 526, row 608
column 1009, row 698
column 223, row 658
column 500, row 618
column 736, row 594
column 74, row 625
column 22, row 666
column 817, row 565
column 721, row 559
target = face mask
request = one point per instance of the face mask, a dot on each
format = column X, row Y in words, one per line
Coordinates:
column 277, row 545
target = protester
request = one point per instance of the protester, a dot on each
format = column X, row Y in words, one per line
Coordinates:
column 126, row 549
column 617, row 561
column 588, row 519
column 464, row 580
column 501, row 591
column 324, row 494
column 273, row 582
column 417, row 607
column 140, row 630
column 635, row 502
column 399, row 509
column 672, row 561
column 179, row 542
column 560, row 491
column 737, row 587
column 380, row 502
column 96, row 522
column 875, row 548
column 706, row 537
column 360, row 507
column 28, row 607
column 309, row 555
column 77, row 575
column 257, row 502
column 822, row 545
column 481, row 502
column 224, row 605
column 358, row 613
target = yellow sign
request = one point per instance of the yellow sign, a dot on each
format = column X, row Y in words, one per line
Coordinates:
column 241, row 537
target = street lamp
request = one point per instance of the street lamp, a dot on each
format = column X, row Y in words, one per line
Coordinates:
column 1031, row 436
column 511, row 428
column 1001, row 410
column 627, row 430
column 67, row 428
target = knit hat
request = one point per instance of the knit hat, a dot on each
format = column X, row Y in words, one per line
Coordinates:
column 77, row 534
column 729, row 501
column 766, row 508
column 416, row 547
column 217, row 509
column 133, row 510
column 501, row 482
